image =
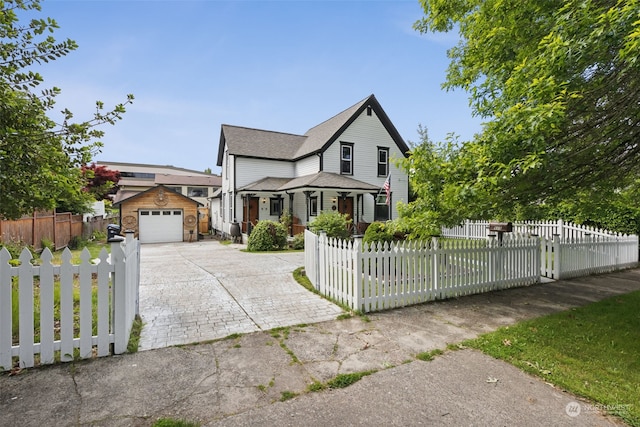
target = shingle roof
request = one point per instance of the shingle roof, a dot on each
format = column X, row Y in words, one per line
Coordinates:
column 266, row 184
column 318, row 136
column 324, row 180
column 263, row 144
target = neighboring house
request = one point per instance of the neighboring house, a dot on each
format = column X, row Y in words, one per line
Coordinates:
column 137, row 177
column 339, row 165
column 162, row 222
column 159, row 215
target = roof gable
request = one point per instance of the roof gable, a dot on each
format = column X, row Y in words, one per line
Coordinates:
column 247, row 142
column 156, row 188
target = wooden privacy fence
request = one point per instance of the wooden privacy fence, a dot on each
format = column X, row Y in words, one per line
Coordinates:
column 59, row 228
column 548, row 229
column 378, row 277
column 48, row 313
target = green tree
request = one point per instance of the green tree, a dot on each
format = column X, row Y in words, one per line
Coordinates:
column 558, row 83
column 444, row 180
column 40, row 159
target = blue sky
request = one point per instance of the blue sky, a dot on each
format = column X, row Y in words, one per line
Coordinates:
column 278, row 65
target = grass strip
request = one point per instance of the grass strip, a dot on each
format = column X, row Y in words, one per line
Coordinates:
column 590, row 351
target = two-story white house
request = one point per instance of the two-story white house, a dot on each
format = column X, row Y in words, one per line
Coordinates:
column 339, row 165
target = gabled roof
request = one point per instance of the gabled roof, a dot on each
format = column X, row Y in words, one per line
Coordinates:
column 256, row 143
column 136, row 195
column 322, row 180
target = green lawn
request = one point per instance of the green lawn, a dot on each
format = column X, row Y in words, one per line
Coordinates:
column 591, row 351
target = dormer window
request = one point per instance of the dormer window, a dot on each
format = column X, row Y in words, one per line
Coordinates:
column 346, row 158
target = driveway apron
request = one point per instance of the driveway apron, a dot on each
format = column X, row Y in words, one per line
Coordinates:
column 194, row 292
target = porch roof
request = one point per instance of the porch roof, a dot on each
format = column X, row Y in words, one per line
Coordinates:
column 320, row 180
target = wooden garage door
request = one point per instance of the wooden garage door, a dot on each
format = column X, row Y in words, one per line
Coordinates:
column 160, row 225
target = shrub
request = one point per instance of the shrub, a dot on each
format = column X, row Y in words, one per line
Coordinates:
column 379, row 232
column 334, row 224
column 76, row 242
column 286, row 219
column 99, row 236
column 47, row 243
column 298, row 241
column 15, row 248
column 389, row 231
column 267, row 236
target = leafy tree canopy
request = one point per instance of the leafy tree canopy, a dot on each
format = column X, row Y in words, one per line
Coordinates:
column 40, row 158
column 559, row 85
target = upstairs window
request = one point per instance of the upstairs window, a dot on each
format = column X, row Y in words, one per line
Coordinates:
column 197, row 191
column 383, row 161
column 346, row 159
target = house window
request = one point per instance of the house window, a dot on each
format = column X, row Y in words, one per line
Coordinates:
column 346, row 159
column 383, row 161
column 382, row 210
column 197, row 191
column 176, row 189
column 275, row 206
column 313, row 206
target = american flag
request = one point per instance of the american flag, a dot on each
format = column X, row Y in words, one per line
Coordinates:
column 387, row 189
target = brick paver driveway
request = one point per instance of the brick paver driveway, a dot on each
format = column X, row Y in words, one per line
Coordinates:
column 192, row 292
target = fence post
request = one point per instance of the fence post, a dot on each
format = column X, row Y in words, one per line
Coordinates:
column 357, row 272
column 119, row 300
column 557, row 256
column 322, row 263
column 435, row 261
column 129, row 242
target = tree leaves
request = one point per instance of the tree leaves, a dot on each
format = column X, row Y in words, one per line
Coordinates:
column 558, row 82
column 39, row 158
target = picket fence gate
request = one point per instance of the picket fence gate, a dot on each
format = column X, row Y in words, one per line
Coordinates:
column 46, row 291
column 382, row 276
column 592, row 254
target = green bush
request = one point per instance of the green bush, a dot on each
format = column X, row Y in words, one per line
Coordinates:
column 47, row 243
column 298, row 241
column 267, row 236
column 15, row 248
column 335, row 224
column 379, row 232
column 76, row 242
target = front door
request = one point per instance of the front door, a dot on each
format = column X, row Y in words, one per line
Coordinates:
column 345, row 206
column 251, row 214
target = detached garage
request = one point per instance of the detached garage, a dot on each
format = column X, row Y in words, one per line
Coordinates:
column 160, row 215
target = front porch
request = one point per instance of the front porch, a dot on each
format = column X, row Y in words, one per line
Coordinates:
column 305, row 197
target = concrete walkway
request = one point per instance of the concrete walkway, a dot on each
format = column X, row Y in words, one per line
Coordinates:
column 195, row 292
column 240, row 381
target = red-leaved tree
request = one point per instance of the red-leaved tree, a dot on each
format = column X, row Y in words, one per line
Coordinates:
column 100, row 181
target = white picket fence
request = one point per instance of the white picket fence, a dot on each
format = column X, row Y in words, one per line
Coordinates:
column 565, row 231
column 46, row 291
column 564, row 259
column 370, row 278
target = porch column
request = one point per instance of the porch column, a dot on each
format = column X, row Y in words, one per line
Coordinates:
column 291, row 214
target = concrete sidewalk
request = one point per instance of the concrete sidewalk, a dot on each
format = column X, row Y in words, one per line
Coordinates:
column 240, row 381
